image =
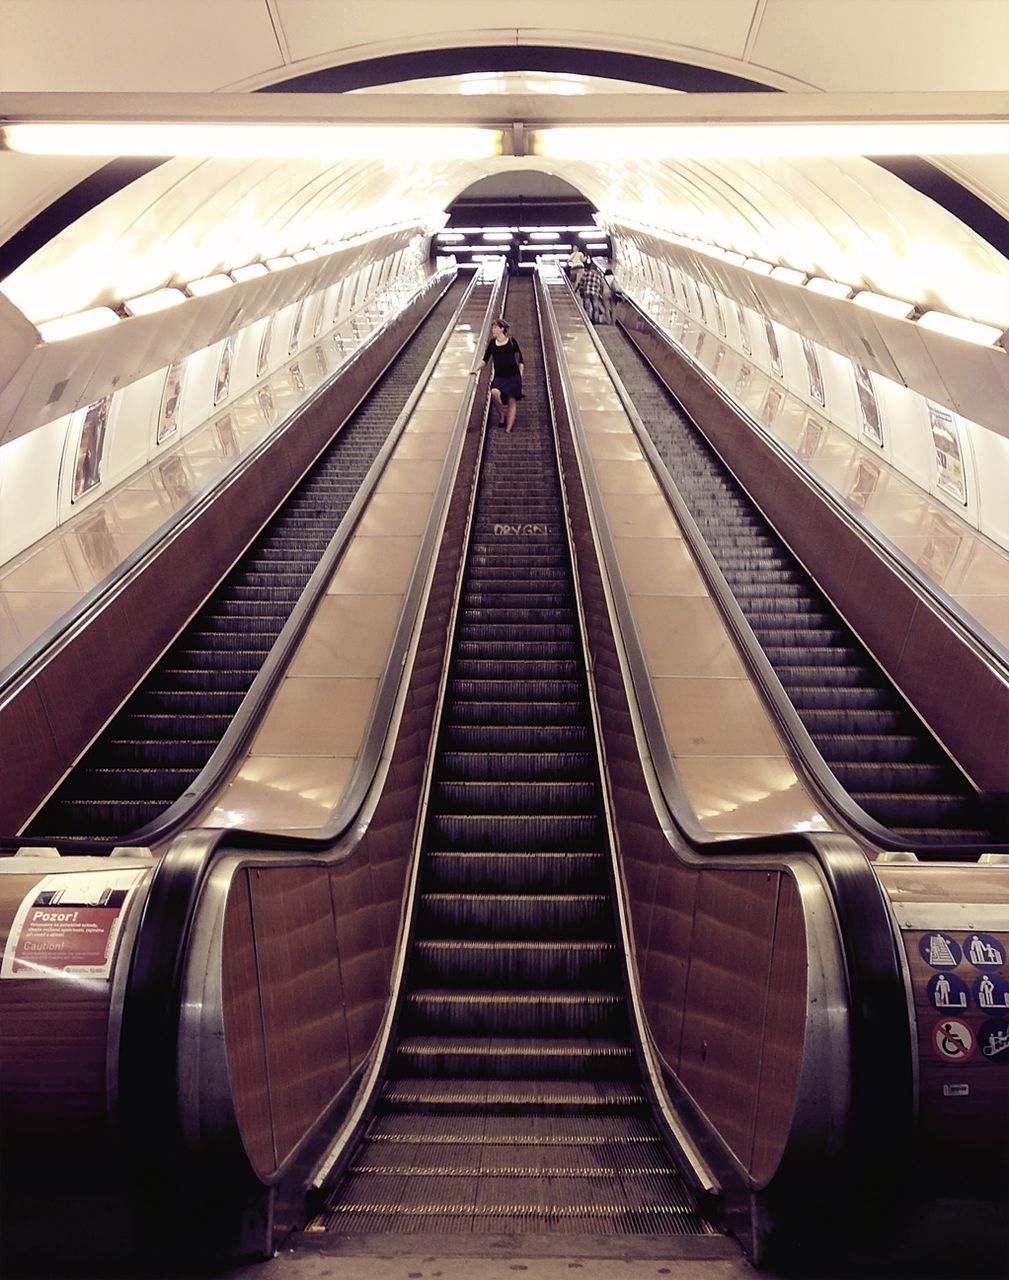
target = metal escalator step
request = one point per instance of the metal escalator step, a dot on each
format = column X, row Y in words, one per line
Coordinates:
column 462, row 711
column 900, row 809
column 516, row 766
column 504, row 1058
column 507, row 1097
column 840, row 697
column 542, row 871
column 515, row 690
column 128, row 785
column 534, row 963
column 515, row 831
column 849, row 749
column 514, row 915
column 542, row 738
column 555, row 1013
column 501, row 798
column 892, row 775
column 534, row 1130
column 516, row 668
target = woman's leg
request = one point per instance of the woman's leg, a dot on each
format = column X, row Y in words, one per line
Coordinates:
column 513, row 408
column 496, row 407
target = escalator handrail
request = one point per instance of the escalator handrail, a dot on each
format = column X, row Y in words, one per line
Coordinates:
column 24, row 667
column 805, row 752
column 175, row 816
column 147, row 1102
column 881, row 1040
column 970, row 630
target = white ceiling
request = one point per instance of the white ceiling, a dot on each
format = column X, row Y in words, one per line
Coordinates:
column 849, row 219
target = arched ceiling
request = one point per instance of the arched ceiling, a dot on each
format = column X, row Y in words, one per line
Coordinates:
column 850, row 218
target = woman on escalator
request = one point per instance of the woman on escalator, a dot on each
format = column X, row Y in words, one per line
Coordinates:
column 506, row 386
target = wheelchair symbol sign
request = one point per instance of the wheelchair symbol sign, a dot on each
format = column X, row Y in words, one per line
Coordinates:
column 953, row 1041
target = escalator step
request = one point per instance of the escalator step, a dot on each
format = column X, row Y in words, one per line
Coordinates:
column 533, row 871
column 504, row 1058
column 501, row 798
column 514, row 831
column 515, row 915
column 475, row 964
column 550, row 1013
column 514, row 766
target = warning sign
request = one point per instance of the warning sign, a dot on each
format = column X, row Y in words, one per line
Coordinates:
column 953, row 1040
column 68, row 925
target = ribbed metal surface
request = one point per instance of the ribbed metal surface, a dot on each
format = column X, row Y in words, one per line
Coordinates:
column 871, row 739
column 164, row 735
column 514, row 1102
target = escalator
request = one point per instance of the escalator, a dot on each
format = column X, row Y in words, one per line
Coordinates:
column 870, row 738
column 513, row 1099
column 167, row 730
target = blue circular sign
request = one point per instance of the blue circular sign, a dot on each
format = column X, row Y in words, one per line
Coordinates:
column 991, row 991
column 983, row 951
column 993, row 1040
column 948, row 992
column 939, row 950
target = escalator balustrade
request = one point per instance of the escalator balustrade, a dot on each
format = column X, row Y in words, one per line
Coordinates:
column 167, row 730
column 871, row 739
column 513, row 1100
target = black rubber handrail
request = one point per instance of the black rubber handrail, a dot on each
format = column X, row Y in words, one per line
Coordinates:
column 881, row 1035
column 175, row 816
column 147, row 1109
column 805, row 753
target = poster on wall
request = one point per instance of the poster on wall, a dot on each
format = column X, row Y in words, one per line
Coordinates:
column 744, row 332
column 263, row 358
column 872, row 425
column 171, row 400
column 772, row 346
column 700, row 303
column 948, row 454
column 223, row 382
column 813, row 370
column 68, row 924
column 88, row 467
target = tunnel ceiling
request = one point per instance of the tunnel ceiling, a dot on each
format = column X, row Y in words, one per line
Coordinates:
column 87, row 232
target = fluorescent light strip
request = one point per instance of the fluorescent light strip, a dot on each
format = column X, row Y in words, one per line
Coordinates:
column 883, row 305
column 831, row 288
column 253, row 271
column 252, row 141
column 64, row 327
column 985, row 335
column 789, row 275
column 207, row 285
column 147, row 304
column 742, row 141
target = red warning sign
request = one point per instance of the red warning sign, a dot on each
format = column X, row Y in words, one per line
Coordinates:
column 68, row 924
column 953, row 1040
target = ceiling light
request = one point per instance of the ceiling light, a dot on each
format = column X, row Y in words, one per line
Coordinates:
column 451, row 236
column 747, row 141
column 831, row 288
column 305, row 255
column 758, row 266
column 147, row 304
column 789, row 274
column 498, row 235
column 544, row 235
column 985, row 335
column 252, row 141
column 82, row 322
column 207, row 285
column 737, row 259
column 281, row 263
column 251, row 272
column 883, row 305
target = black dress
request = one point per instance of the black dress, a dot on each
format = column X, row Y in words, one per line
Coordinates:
column 507, row 376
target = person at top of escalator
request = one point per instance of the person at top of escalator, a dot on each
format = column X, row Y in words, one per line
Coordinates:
column 506, row 385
